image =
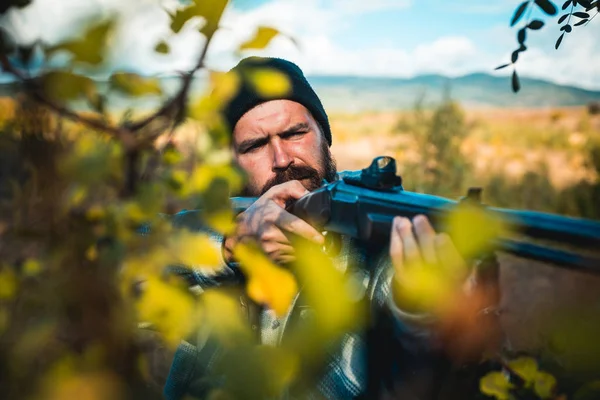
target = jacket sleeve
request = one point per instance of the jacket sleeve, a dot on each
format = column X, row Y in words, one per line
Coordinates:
column 404, row 356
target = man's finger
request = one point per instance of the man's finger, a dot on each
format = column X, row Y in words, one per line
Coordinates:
column 274, row 234
column 409, row 243
column 298, row 226
column 396, row 249
column 426, row 238
column 274, row 249
column 281, row 194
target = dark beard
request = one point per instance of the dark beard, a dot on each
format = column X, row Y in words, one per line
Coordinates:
column 300, row 172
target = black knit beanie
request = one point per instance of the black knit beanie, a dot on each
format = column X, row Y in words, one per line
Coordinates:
column 300, row 92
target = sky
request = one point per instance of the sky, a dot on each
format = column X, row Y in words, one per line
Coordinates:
column 399, row 38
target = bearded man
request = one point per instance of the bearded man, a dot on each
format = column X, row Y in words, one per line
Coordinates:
column 282, row 144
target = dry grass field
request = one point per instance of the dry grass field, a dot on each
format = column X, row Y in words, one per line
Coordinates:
column 509, row 142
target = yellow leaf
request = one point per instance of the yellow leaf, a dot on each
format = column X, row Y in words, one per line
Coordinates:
column 8, row 284
column 90, row 47
column 261, row 39
column 64, row 86
column 269, row 83
column 76, row 196
column 211, row 11
column 169, row 309
column 31, row 267
column 172, row 157
column 135, row 85
column 544, row 385
column 162, row 48
column 224, row 86
column 267, row 283
column 526, row 368
column 222, row 221
column 426, row 288
column 143, row 266
column 205, row 174
column 473, row 230
column 85, row 386
column 91, row 253
column 496, row 384
column 134, row 213
column 223, row 317
column 328, row 292
column 195, row 250
column 95, row 213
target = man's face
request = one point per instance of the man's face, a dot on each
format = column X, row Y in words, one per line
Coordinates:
column 279, row 141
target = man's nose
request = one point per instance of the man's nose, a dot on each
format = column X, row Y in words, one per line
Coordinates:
column 281, row 158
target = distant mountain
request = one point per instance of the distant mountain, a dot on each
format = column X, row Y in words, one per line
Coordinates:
column 345, row 93
column 353, row 93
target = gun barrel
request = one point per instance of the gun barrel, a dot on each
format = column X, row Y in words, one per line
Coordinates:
column 368, row 214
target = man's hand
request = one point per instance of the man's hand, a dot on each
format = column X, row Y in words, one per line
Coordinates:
column 428, row 254
column 267, row 222
column 431, row 277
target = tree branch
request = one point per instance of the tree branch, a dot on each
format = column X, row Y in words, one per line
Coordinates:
column 123, row 134
column 179, row 99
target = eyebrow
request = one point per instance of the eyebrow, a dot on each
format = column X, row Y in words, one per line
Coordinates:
column 248, row 143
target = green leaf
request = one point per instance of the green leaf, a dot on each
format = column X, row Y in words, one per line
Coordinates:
column 501, row 67
column 495, row 384
column 583, row 21
column 135, row 85
column 519, row 13
column 162, row 48
column 562, row 18
column 514, row 56
column 567, row 28
column 516, row 85
column 210, row 10
column 581, row 14
column 90, row 48
column 535, row 24
column 544, row 385
column 522, row 35
column 566, row 4
column 585, row 3
column 559, row 41
column 547, row 6
column 65, row 86
column 261, row 39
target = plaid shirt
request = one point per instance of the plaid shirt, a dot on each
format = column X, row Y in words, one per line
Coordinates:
column 346, row 375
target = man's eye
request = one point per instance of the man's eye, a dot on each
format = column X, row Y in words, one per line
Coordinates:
column 252, row 148
column 295, row 134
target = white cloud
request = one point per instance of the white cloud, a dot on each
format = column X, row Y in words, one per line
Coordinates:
column 316, row 25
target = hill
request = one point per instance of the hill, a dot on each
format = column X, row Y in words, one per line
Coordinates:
column 342, row 93
column 354, row 93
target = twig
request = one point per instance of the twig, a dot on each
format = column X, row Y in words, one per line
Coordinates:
column 179, row 99
column 121, row 133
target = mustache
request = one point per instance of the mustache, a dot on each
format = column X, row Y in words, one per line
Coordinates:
column 295, row 172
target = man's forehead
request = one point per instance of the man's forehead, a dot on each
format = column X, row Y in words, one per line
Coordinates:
column 271, row 117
